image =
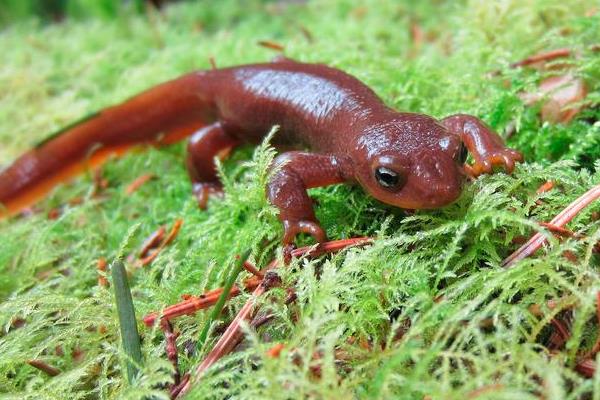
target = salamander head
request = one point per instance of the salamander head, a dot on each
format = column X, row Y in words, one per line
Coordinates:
column 417, row 169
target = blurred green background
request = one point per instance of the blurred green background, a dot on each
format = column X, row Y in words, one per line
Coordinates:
column 57, row 10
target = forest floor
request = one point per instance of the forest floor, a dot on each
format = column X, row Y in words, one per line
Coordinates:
column 424, row 312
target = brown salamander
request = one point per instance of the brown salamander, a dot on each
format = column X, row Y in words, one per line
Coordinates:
column 407, row 160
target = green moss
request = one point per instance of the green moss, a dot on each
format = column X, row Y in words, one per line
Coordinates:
column 436, row 271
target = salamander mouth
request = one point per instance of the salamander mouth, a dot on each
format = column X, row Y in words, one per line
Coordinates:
column 441, row 195
column 422, row 202
column 422, row 195
column 432, row 205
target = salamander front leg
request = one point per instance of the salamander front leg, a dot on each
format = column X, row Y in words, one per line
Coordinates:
column 483, row 143
column 297, row 172
column 206, row 144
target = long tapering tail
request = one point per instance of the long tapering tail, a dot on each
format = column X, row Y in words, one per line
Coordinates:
column 161, row 115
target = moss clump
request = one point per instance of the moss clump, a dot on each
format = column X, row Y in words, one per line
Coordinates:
column 436, row 272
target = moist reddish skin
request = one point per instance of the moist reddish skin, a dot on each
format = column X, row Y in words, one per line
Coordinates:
column 350, row 132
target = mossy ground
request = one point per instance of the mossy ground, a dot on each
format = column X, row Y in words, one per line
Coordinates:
column 437, row 271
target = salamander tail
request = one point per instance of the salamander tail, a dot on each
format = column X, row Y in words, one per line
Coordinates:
column 161, row 115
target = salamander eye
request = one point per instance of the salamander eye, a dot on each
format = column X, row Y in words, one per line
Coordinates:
column 462, row 154
column 389, row 179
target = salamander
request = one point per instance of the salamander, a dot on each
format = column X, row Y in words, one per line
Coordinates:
column 342, row 130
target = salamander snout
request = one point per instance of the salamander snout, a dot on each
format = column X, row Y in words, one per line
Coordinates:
column 428, row 178
column 436, row 179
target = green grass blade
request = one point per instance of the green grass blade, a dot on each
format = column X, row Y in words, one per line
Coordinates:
column 127, row 320
column 237, row 268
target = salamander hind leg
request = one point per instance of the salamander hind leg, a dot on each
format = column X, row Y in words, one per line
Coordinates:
column 204, row 145
column 297, row 172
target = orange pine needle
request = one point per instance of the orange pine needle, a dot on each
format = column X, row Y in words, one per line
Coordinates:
column 546, row 187
column 101, row 265
column 275, row 351
column 135, row 185
column 560, row 220
column 542, row 57
column 152, row 241
column 271, row 45
column 42, row 366
column 248, row 266
column 233, row 334
column 172, row 234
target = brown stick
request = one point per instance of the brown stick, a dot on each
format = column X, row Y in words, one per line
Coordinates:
column 559, row 230
column 172, row 234
column 101, row 266
column 248, row 266
column 139, row 181
column 233, row 334
column 545, row 56
column 546, row 187
column 152, row 241
column 174, row 231
column 171, row 349
column 42, row 366
column 560, row 220
column 275, row 351
column 192, row 304
column 586, row 368
column 269, row 44
column 175, row 390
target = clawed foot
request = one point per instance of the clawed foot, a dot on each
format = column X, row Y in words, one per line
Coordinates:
column 294, row 227
column 203, row 191
column 500, row 157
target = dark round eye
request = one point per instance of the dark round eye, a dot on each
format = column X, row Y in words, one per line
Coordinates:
column 388, row 178
column 462, row 154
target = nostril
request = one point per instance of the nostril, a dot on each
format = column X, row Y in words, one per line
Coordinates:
column 439, row 168
column 433, row 169
column 427, row 167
